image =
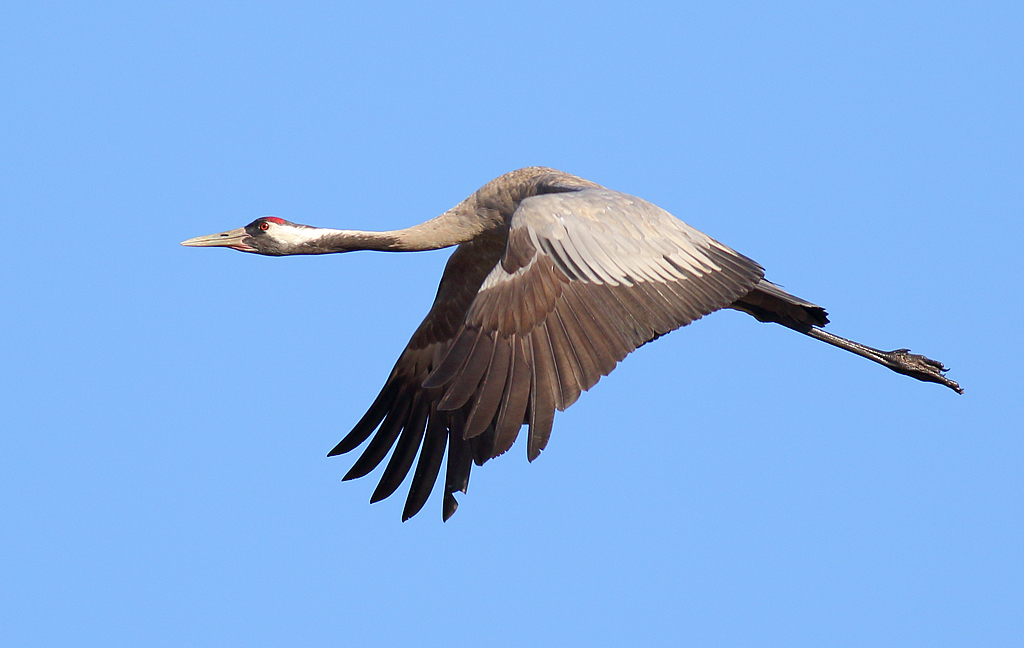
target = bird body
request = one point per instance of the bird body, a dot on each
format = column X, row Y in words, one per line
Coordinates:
column 554, row 281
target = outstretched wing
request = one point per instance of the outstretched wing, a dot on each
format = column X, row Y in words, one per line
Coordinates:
column 584, row 278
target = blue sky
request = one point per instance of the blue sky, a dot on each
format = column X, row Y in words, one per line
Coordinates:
column 166, row 411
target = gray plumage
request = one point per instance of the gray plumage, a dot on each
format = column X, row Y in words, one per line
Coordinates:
column 554, row 281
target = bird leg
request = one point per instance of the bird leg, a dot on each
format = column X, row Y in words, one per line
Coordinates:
column 900, row 360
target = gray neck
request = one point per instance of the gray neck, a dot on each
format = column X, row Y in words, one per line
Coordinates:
column 487, row 212
column 458, row 225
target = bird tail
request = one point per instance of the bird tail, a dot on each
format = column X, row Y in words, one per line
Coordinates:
column 770, row 303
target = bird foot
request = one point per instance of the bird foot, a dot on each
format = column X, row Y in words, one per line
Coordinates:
column 920, row 367
column 901, row 360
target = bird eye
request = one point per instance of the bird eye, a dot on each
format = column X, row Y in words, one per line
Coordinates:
column 264, row 226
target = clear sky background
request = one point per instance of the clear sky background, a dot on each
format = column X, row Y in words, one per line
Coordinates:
column 166, row 412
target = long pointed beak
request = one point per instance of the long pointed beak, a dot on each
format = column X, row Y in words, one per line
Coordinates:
column 235, row 239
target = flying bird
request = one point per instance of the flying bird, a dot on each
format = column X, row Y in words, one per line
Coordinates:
column 554, row 280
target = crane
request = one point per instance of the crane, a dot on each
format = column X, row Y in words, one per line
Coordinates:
column 554, row 280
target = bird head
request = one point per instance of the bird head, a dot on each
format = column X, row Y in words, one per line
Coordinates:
column 267, row 235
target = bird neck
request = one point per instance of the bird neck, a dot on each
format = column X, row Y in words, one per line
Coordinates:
column 486, row 213
column 453, row 227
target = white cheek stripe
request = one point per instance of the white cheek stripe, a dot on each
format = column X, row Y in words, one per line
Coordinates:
column 298, row 235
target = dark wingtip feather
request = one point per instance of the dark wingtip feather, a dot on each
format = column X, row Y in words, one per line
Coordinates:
column 351, row 474
column 460, row 456
column 450, row 506
column 341, row 448
column 429, row 465
column 366, row 425
column 384, row 439
column 405, row 452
